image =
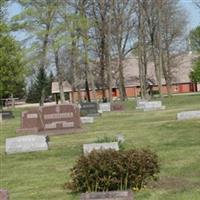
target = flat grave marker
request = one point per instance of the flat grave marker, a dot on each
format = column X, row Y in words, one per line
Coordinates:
column 27, row 143
column 113, row 195
column 86, row 120
column 88, row 148
column 188, row 115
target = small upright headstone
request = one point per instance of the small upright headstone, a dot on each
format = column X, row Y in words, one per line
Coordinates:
column 88, row 148
column 120, row 138
column 188, row 115
column 105, row 107
column 153, row 105
column 113, row 195
column 6, row 114
column 86, row 120
column 27, row 143
column 117, row 106
column 4, row 194
column 89, row 108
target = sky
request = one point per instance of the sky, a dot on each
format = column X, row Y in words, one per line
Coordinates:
column 192, row 12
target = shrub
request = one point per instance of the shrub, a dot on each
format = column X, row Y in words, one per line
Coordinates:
column 109, row 170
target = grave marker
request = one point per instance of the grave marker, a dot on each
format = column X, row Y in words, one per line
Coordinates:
column 113, row 195
column 105, row 107
column 86, row 120
column 51, row 118
column 27, row 143
column 6, row 114
column 89, row 108
column 88, row 148
column 153, row 105
column 117, row 106
column 188, row 115
column 4, row 194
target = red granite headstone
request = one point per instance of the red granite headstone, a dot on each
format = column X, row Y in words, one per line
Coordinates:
column 117, row 106
column 47, row 118
column 4, row 194
column 60, row 117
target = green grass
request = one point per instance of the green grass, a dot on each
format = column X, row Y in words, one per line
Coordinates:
column 41, row 175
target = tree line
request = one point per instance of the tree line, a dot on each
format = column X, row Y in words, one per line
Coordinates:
column 87, row 41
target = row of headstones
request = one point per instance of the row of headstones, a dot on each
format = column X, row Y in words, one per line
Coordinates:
column 157, row 105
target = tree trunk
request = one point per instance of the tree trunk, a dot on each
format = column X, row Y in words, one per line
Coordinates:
column 60, row 79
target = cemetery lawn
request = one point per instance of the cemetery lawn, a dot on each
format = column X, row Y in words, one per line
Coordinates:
column 42, row 175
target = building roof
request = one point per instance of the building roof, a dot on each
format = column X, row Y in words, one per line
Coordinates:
column 55, row 87
column 180, row 71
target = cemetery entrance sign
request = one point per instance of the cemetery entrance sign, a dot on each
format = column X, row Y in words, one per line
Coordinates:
column 47, row 118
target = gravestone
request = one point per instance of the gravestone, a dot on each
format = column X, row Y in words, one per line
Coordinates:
column 120, row 138
column 61, row 116
column 6, row 114
column 105, row 107
column 51, row 118
column 89, row 108
column 27, row 143
column 140, row 103
column 4, row 194
column 117, row 106
column 86, row 120
column 88, row 148
column 188, row 115
column 153, row 105
column 113, row 195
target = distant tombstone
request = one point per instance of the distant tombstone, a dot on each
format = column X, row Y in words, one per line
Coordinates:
column 188, row 115
column 140, row 103
column 27, row 143
column 113, row 195
column 51, row 118
column 117, row 106
column 6, row 114
column 4, row 194
column 86, row 120
column 105, row 107
column 61, row 116
column 90, row 108
column 88, row 148
column 120, row 138
column 153, row 105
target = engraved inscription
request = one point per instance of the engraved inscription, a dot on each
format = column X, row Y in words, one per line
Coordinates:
column 32, row 116
column 58, row 115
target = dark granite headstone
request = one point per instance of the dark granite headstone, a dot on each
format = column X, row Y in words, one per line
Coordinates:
column 4, row 194
column 6, row 114
column 47, row 118
column 90, row 108
column 115, row 195
column 117, row 106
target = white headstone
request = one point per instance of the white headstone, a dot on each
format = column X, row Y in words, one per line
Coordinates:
column 86, row 120
column 141, row 103
column 153, row 105
column 188, row 115
column 105, row 107
column 27, row 143
column 87, row 148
